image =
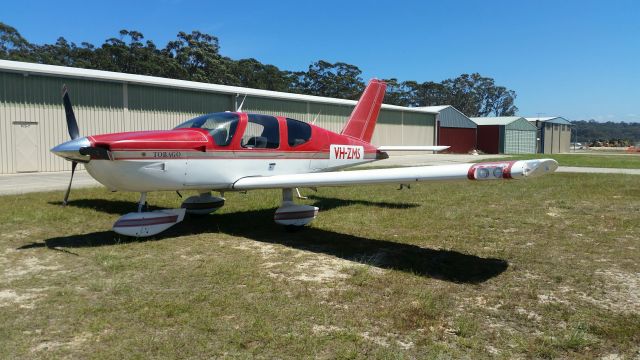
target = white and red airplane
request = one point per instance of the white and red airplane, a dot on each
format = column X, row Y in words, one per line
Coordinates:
column 236, row 151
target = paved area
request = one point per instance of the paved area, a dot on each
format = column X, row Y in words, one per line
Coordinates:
column 48, row 181
column 35, row 182
column 431, row 159
column 592, row 170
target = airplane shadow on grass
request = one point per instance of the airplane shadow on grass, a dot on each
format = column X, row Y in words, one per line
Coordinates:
column 258, row 225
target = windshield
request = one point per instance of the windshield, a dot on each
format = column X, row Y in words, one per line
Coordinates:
column 221, row 126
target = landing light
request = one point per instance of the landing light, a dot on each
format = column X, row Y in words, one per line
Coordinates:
column 490, row 171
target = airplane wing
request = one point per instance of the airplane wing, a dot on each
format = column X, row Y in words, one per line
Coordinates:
column 481, row 171
column 412, row 148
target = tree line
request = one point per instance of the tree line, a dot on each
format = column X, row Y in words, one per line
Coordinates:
column 619, row 134
column 196, row 56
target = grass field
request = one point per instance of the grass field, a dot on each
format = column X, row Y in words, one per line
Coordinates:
column 543, row 269
column 621, row 161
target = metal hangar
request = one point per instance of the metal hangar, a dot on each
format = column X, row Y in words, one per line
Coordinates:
column 32, row 116
column 454, row 129
column 505, row 135
column 554, row 134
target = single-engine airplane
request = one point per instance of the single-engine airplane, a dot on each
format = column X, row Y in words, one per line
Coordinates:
column 237, row 151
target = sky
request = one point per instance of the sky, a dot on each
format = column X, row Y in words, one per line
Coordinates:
column 577, row 59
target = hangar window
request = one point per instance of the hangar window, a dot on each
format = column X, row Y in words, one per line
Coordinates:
column 263, row 132
column 221, row 126
column 298, row 132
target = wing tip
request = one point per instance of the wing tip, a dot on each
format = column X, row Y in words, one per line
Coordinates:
column 538, row 167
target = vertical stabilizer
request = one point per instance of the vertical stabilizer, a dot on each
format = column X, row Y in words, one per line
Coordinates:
column 363, row 119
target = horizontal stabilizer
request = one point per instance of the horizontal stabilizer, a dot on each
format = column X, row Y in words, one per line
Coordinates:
column 413, row 148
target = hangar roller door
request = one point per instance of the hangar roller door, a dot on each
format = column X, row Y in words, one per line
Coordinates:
column 461, row 140
column 519, row 142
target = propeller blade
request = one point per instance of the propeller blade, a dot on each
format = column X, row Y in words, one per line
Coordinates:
column 66, row 195
column 72, row 125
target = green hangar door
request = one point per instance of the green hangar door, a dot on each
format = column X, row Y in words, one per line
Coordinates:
column 506, row 135
column 519, row 142
column 26, row 145
column 520, row 137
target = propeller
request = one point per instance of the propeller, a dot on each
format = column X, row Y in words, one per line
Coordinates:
column 74, row 133
column 72, row 125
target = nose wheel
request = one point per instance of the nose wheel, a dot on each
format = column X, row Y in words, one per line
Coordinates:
column 147, row 223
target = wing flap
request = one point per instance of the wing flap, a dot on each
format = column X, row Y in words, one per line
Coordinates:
column 480, row 171
column 412, row 148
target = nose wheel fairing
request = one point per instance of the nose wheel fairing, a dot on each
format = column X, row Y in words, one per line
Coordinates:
column 147, row 223
column 143, row 224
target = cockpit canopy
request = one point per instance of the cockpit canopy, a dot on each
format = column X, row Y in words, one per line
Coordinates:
column 221, row 126
column 262, row 131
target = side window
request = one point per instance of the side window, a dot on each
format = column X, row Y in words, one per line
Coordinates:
column 262, row 132
column 298, row 132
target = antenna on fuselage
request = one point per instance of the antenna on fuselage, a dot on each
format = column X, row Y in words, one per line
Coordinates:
column 316, row 118
column 242, row 103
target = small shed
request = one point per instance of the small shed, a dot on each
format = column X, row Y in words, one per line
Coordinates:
column 554, row 134
column 506, row 135
column 454, row 129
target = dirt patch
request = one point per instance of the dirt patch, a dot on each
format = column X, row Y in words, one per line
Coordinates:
column 25, row 299
column 17, row 235
column 325, row 329
column 554, row 212
column 321, row 269
column 266, row 250
column 192, row 257
column 551, row 298
column 530, row 315
column 384, row 341
column 298, row 265
column 14, row 266
column 621, row 291
column 378, row 340
column 74, row 343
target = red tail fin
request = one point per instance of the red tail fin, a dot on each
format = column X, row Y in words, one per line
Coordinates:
column 364, row 116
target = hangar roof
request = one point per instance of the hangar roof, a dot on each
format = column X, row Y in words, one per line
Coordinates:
column 509, row 122
column 495, row 120
column 436, row 108
column 63, row 71
column 550, row 119
column 451, row 117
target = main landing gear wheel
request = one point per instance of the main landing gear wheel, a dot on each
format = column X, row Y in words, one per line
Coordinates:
column 293, row 216
column 202, row 204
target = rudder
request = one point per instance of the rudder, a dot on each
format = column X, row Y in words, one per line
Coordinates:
column 363, row 119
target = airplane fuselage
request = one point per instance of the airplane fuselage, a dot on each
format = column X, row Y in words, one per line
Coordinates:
column 199, row 158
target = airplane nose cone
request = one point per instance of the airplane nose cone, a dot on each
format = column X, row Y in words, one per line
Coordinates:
column 70, row 150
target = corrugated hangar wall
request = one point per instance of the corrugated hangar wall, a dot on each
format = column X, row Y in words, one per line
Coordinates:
column 32, row 118
column 556, row 138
